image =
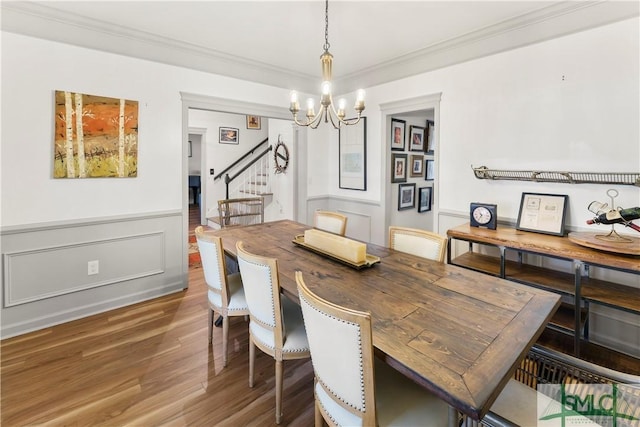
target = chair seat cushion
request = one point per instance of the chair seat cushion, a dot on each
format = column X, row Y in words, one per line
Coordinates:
column 237, row 300
column 295, row 336
column 399, row 402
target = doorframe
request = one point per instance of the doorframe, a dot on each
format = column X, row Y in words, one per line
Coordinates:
column 203, row 173
column 406, row 106
column 223, row 105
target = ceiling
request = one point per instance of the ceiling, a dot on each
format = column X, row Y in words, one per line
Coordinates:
column 279, row 42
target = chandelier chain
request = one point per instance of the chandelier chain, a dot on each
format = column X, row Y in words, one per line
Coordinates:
column 326, row 26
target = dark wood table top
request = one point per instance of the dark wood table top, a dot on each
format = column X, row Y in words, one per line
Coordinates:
column 457, row 332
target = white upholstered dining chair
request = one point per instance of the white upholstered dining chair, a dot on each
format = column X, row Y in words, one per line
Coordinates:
column 350, row 388
column 333, row 222
column 422, row 243
column 225, row 292
column 275, row 326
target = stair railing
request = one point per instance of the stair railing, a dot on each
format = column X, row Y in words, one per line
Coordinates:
column 241, row 159
column 256, row 168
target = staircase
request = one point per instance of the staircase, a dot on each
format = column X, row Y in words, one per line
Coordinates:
column 254, row 181
column 250, row 179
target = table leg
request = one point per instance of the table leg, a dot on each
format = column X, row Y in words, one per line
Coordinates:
column 453, row 417
column 577, row 275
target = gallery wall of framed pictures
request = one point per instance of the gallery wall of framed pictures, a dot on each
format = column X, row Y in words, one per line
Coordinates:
column 413, row 149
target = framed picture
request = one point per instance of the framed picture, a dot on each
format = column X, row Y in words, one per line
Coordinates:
column 430, row 141
column 543, row 213
column 429, row 165
column 228, row 135
column 424, row 199
column 352, row 147
column 406, row 196
column 399, row 168
column 253, row 122
column 398, row 128
column 416, row 138
column 416, row 166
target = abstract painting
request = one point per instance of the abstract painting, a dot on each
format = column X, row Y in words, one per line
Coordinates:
column 95, row 136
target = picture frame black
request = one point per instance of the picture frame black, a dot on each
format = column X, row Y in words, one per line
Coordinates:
column 398, row 130
column 543, row 213
column 229, row 135
column 429, row 166
column 417, row 166
column 398, row 168
column 352, row 156
column 406, row 196
column 429, row 140
column 416, row 138
column 424, row 199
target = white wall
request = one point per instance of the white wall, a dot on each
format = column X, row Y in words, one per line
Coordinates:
column 32, row 69
column 568, row 104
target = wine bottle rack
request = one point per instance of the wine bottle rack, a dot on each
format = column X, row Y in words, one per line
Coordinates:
column 617, row 178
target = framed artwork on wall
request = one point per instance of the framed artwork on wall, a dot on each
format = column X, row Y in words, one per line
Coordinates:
column 429, row 165
column 253, row 122
column 228, row 135
column 406, row 196
column 430, row 142
column 352, row 156
column 398, row 128
column 416, row 166
column 543, row 213
column 398, row 168
column 416, row 138
column 424, row 199
column 95, row 136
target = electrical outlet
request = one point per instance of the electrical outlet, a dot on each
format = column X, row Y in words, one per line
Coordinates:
column 93, row 267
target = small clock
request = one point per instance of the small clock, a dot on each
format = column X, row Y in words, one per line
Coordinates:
column 281, row 157
column 483, row 215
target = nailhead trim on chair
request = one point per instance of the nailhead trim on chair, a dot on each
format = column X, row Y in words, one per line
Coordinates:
column 364, row 409
column 270, row 284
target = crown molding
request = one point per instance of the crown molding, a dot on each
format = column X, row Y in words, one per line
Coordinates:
column 556, row 20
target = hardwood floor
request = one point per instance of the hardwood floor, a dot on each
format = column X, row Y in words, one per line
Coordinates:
column 149, row 364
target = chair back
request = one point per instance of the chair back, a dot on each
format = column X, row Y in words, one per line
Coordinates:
column 332, row 222
column 262, row 292
column 340, row 341
column 215, row 270
column 243, row 211
column 422, row 243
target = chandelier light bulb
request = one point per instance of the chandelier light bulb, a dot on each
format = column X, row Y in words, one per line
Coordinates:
column 326, row 88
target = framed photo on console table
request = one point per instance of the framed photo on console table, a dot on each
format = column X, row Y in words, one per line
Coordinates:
column 543, row 213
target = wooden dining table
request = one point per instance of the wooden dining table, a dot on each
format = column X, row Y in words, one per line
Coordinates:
column 458, row 333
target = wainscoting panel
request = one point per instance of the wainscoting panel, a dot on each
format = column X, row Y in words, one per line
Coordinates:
column 45, row 274
column 67, row 266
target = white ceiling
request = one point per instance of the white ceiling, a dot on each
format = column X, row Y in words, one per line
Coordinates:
column 279, row 42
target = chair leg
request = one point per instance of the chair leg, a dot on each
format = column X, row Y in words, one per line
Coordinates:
column 278, row 391
column 225, row 338
column 252, row 360
column 210, row 326
column 319, row 421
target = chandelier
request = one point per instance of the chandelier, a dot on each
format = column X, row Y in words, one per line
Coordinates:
column 327, row 110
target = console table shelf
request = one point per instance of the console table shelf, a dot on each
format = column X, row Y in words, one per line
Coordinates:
column 576, row 287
